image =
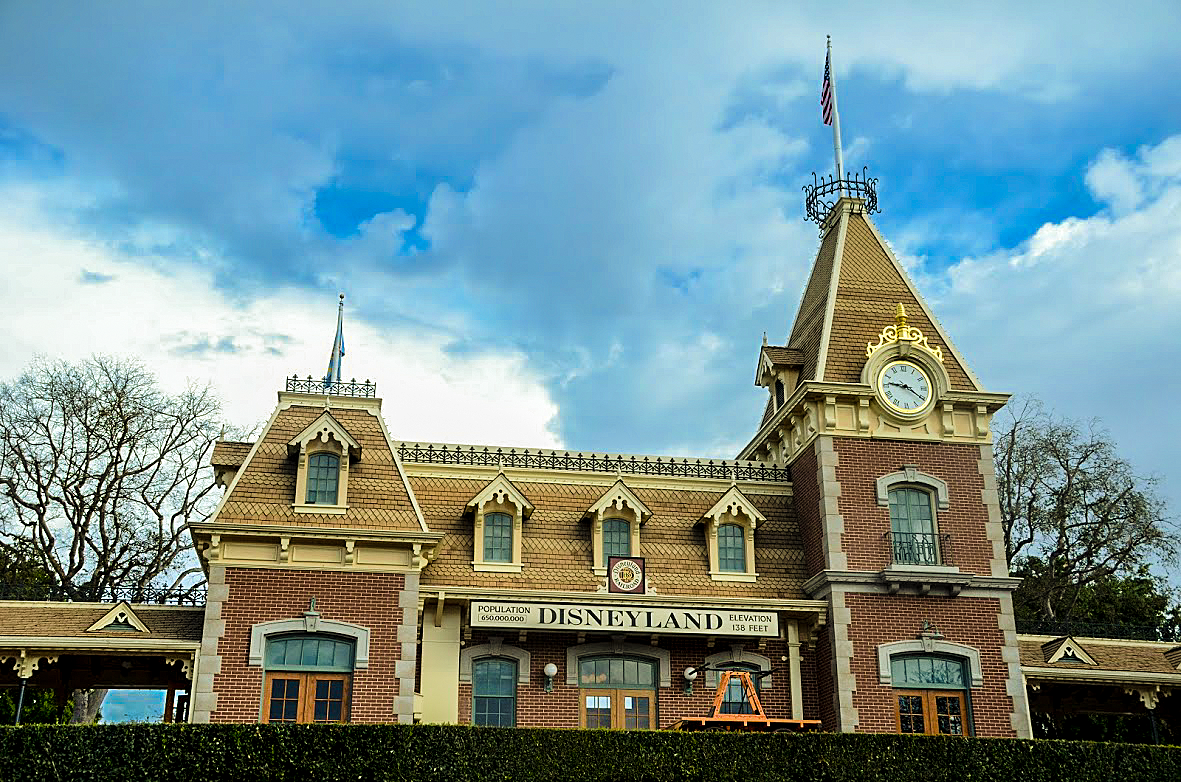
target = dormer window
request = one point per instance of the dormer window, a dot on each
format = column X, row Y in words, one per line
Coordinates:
column 731, row 548
column 617, row 538
column 498, row 537
column 730, row 537
column 323, row 478
column 615, row 520
column 499, row 512
column 325, row 451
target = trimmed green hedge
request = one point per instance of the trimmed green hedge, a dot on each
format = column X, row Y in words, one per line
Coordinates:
column 196, row 753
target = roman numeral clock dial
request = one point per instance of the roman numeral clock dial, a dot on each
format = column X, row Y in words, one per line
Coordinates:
column 904, row 387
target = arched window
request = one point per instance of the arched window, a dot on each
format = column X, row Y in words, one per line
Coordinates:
column 498, row 537
column 323, row 478
column 617, row 538
column 930, row 694
column 912, row 527
column 618, row 692
column 731, row 548
column 494, row 692
column 307, row 678
column 735, row 700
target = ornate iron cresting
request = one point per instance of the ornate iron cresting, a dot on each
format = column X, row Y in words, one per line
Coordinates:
column 579, row 462
column 317, row 385
column 919, row 548
column 193, row 596
column 822, row 195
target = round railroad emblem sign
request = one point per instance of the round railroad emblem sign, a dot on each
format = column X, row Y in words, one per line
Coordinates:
column 627, row 575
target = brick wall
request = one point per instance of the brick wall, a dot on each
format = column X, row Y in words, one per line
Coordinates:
column 879, row 619
column 862, row 462
column 807, row 497
column 256, row 595
column 560, row 708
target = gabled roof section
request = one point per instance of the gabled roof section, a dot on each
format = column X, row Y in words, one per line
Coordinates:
column 854, row 291
column 735, row 503
column 119, row 619
column 1066, row 650
column 772, row 357
column 1174, row 657
column 616, row 499
column 501, row 489
column 324, row 428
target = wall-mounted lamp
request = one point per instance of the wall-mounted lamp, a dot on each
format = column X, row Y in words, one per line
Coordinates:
column 690, row 676
column 550, row 670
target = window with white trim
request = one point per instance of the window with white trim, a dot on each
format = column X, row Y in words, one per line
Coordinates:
column 494, row 692
column 930, row 694
column 913, row 539
column 499, row 512
column 323, row 478
column 308, row 678
column 617, row 538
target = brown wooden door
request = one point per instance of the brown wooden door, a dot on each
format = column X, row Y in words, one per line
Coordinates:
column 306, row 697
column 935, row 712
column 618, row 709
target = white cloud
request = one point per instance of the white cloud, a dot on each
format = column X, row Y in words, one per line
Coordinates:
column 1086, row 313
column 68, row 297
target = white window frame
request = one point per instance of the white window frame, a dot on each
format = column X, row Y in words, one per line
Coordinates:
column 500, row 495
column 618, row 502
column 324, row 435
column 732, row 508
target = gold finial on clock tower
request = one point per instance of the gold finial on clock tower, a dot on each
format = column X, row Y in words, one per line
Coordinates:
column 900, row 318
column 900, row 332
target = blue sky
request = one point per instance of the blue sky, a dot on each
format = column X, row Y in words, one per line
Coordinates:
column 569, row 225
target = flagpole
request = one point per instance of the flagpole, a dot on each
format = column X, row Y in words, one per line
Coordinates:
column 339, row 336
column 836, row 121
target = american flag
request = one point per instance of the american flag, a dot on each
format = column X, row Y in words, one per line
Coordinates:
column 826, row 92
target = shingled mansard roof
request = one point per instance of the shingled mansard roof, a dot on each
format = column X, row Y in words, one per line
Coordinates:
column 263, row 490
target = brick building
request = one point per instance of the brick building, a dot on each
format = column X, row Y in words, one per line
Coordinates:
column 851, row 556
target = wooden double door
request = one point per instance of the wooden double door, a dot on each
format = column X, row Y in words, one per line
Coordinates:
column 618, row 708
column 306, row 697
column 935, row 712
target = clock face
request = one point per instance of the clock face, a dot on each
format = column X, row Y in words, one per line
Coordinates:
column 904, row 387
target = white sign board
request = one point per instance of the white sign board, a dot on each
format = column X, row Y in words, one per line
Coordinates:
column 512, row 615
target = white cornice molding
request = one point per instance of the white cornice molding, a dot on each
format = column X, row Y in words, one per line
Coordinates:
column 587, row 478
column 324, row 533
column 1101, row 675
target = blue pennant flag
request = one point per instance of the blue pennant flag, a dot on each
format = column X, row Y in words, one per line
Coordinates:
column 334, row 361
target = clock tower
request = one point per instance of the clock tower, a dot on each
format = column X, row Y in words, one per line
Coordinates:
column 885, row 430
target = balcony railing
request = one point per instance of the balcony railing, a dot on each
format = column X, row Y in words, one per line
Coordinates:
column 192, row 596
column 918, row 548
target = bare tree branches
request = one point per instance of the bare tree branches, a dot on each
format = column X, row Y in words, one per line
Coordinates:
column 1074, row 512
column 102, row 471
